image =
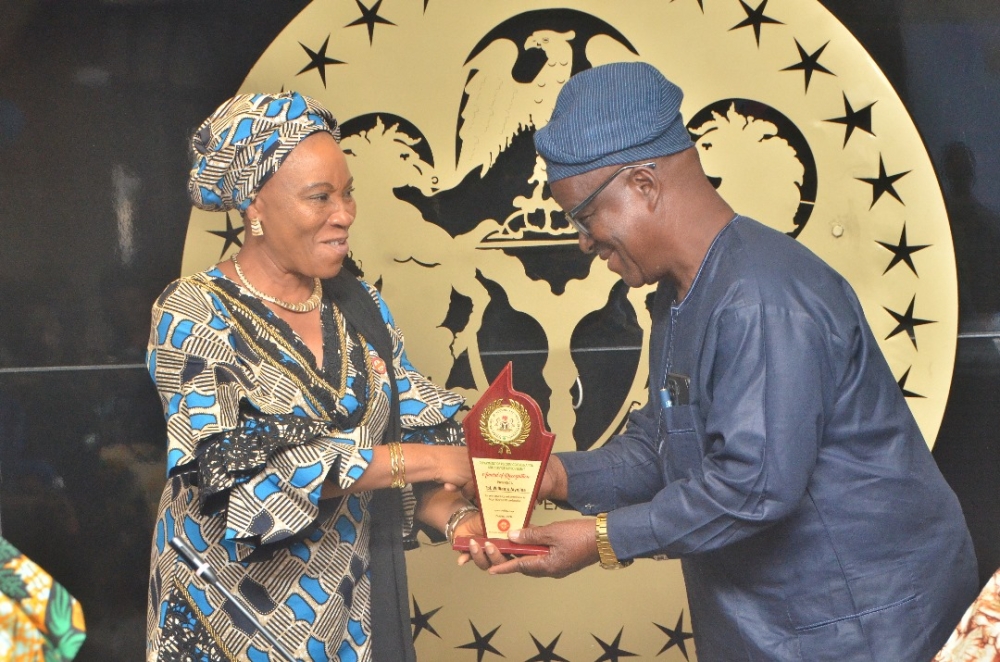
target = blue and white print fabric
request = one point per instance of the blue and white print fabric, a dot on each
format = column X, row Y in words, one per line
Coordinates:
column 237, row 149
column 254, row 430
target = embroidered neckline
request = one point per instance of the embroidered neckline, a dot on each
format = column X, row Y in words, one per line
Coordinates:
column 315, row 383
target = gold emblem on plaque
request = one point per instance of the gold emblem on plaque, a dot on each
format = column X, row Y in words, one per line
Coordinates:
column 505, row 425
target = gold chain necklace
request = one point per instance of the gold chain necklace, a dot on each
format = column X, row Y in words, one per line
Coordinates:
column 306, row 306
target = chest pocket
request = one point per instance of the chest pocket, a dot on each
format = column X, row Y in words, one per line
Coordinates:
column 681, row 442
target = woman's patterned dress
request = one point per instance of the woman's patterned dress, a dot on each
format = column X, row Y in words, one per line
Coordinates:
column 254, row 429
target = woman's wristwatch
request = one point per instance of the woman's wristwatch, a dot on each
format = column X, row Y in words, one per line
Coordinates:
column 608, row 559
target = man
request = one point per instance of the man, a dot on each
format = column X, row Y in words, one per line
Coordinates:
column 776, row 456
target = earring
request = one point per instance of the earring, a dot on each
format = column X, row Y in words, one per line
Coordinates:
column 255, row 227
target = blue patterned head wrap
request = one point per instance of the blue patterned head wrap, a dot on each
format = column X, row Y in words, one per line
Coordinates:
column 613, row 114
column 237, row 149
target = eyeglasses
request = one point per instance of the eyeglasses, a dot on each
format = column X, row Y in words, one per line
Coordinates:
column 572, row 213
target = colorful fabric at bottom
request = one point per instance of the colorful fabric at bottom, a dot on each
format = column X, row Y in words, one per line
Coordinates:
column 39, row 619
column 977, row 637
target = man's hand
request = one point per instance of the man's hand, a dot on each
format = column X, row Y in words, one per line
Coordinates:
column 554, row 481
column 572, row 546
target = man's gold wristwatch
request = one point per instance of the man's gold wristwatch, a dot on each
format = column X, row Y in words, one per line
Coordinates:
column 608, row 559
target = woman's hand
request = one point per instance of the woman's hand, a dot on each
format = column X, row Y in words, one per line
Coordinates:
column 554, row 484
column 452, row 466
column 470, row 525
column 420, row 463
column 485, row 556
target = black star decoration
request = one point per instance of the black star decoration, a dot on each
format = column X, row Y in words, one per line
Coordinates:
column 318, row 60
column 902, row 385
column 482, row 643
column 883, row 183
column 677, row 636
column 613, row 651
column 907, row 322
column 425, row 5
column 370, row 17
column 902, row 252
column 755, row 17
column 230, row 234
column 855, row 119
column 546, row 653
column 421, row 621
column 809, row 62
column 701, row 3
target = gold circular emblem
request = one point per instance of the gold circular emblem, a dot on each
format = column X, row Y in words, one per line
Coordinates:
column 505, row 425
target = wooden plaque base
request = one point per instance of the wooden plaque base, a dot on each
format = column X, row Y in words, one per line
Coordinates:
column 505, row 546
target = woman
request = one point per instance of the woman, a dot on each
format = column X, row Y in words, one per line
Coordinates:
column 286, row 392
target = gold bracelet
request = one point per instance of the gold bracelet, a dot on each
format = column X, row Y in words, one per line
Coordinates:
column 456, row 519
column 608, row 559
column 397, row 465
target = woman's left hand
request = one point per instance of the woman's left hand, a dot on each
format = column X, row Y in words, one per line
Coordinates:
column 471, row 525
column 484, row 557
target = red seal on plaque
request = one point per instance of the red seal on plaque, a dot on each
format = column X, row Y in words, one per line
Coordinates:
column 503, row 525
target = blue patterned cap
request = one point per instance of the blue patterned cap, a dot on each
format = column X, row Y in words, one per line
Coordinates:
column 609, row 115
column 237, row 149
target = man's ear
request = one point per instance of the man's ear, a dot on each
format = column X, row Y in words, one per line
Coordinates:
column 646, row 183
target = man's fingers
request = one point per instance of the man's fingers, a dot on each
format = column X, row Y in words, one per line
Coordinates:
column 526, row 565
column 571, row 546
column 531, row 535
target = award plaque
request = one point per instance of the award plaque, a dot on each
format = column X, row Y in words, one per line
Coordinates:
column 509, row 448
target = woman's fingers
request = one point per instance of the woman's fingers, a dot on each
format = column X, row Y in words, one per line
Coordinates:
column 484, row 556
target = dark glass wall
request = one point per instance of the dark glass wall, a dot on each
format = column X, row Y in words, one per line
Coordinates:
column 96, row 102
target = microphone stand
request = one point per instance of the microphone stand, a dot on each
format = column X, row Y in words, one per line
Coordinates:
column 207, row 573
